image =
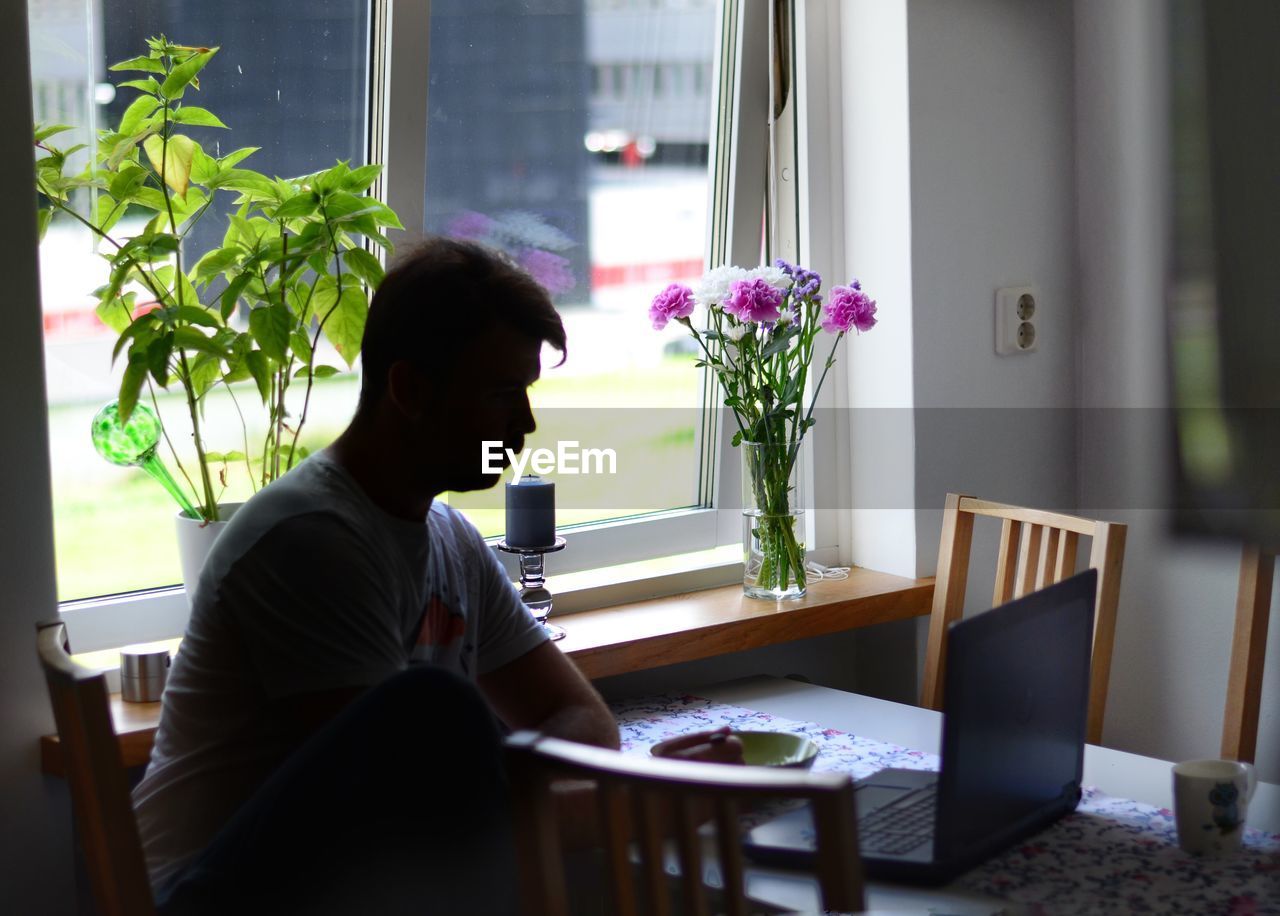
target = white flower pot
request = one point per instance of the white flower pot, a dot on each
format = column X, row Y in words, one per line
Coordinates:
column 195, row 540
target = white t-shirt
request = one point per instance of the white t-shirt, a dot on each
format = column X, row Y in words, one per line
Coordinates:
column 310, row 587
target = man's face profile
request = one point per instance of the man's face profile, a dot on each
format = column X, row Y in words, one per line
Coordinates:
column 484, row 399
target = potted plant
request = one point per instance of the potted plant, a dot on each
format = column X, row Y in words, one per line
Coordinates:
column 292, row 269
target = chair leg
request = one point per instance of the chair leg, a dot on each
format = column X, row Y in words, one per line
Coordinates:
column 1248, row 653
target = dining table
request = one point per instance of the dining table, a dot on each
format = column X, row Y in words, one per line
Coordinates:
column 1116, row 853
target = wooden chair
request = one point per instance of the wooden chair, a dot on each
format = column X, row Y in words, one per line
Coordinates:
column 1248, row 651
column 1036, row 549
column 632, row 792
column 99, row 792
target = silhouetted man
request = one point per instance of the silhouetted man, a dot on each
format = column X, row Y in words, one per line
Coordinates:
column 330, row 737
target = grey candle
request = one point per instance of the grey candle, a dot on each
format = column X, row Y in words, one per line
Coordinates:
column 531, row 513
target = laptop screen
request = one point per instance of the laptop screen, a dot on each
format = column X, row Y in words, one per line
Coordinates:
column 1017, row 690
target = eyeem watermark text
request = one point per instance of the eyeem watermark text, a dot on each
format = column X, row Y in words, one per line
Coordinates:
column 568, row 458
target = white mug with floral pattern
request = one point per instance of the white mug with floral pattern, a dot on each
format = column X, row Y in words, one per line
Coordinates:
column 1210, row 800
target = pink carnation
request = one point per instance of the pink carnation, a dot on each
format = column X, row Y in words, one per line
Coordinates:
column 676, row 301
column 753, row 300
column 848, row 307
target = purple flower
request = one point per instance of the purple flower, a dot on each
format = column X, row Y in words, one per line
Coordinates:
column 550, row 270
column 676, row 301
column 469, row 225
column 753, row 300
column 849, row 308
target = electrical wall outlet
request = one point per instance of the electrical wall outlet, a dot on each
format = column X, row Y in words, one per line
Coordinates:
column 1017, row 313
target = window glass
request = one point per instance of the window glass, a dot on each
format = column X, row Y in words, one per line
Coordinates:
column 290, row 79
column 556, row 133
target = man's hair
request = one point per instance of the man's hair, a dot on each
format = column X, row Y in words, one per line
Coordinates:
column 441, row 295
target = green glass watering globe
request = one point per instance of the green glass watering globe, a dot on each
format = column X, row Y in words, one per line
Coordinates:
column 133, row 444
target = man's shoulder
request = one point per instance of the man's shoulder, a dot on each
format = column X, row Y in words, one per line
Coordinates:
column 311, row 504
column 450, row 525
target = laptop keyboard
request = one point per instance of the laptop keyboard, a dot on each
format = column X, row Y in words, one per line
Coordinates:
column 900, row 827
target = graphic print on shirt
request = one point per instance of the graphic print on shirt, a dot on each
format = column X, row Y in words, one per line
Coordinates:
column 442, row 626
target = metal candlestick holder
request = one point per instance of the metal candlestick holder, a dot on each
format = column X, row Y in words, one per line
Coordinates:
column 533, row 582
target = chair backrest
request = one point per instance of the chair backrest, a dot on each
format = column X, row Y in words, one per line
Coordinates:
column 634, row 792
column 99, row 791
column 1037, row 548
column 1248, row 651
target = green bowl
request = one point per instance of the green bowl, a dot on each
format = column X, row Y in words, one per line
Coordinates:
column 767, row 749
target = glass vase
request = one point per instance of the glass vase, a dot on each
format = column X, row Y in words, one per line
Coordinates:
column 772, row 520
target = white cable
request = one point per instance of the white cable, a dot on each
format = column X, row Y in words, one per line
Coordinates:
column 826, row 572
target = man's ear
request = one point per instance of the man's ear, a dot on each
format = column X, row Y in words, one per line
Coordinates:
column 409, row 390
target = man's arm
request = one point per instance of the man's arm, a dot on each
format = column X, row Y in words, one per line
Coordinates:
column 544, row 691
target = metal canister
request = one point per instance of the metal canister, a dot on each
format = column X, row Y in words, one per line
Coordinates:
column 143, row 672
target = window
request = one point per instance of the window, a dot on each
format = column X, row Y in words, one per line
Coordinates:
column 603, row 187
column 294, row 85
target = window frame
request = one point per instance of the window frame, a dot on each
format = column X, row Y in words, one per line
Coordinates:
column 396, row 119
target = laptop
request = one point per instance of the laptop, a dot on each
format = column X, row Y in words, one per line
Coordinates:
column 1015, row 701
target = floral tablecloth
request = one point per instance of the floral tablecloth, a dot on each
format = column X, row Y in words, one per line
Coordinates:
column 1111, row 855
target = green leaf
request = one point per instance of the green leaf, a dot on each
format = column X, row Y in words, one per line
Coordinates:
column 136, row 114
column 214, row 263
column 270, row 326
column 117, row 313
column 231, row 159
column 158, row 353
column 172, row 160
column 737, row 439
column 122, row 146
column 326, row 371
column 150, row 198
column 135, row 373
column 260, row 369
column 153, row 246
column 45, row 132
column 331, row 179
column 383, row 214
column 107, row 212
column 363, row 265
column 175, row 84
column 778, row 344
column 188, row 338
column 204, row 168
column 381, row 241
column 193, row 314
column 298, row 298
column 148, row 84
column 340, row 206
column 127, row 181
column 343, row 314
column 43, row 217
column 196, row 117
column 244, row 180
column 303, row 204
column 300, row 344
column 204, row 373
column 148, row 64
column 231, row 295
column 359, row 179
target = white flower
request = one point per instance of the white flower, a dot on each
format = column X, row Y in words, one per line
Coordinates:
column 785, row 317
column 713, row 288
column 737, row 331
column 774, row 276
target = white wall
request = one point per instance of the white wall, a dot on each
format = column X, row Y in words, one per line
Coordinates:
column 35, row 847
column 992, row 201
column 1173, row 642
column 958, row 179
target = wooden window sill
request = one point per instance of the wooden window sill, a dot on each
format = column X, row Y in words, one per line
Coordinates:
column 649, row 634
